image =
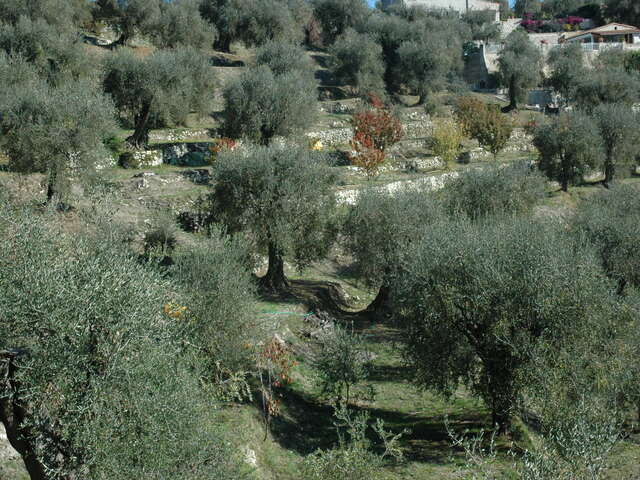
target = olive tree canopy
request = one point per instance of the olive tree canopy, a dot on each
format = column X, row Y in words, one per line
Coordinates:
column 65, row 14
column 336, row 16
column 129, row 17
column 164, row 87
column 357, row 62
column 520, row 66
column 180, row 24
column 283, row 198
column 377, row 230
column 569, row 146
column 255, row 22
column 97, row 381
column 57, row 55
column 618, row 126
column 477, row 300
column 260, row 103
column 58, row 131
column 610, row 221
column 493, row 190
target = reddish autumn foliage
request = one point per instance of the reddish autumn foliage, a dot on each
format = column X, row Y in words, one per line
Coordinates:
column 223, row 144
column 378, row 124
column 374, row 130
column 275, row 362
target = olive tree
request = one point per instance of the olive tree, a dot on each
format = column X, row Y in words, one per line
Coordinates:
column 425, row 64
column 224, row 16
column 483, row 25
column 57, row 55
column 569, row 146
column 475, row 301
column 254, row 22
column 92, row 366
column 128, row 17
column 65, row 14
column 606, row 85
column 567, row 69
column 260, row 104
column 282, row 58
column 180, row 24
column 336, row 16
column 519, row 66
column 282, row 197
column 527, row 6
column 493, row 190
column 624, row 11
column 617, row 124
column 357, row 62
column 377, row 229
column 609, row 220
column 58, row 131
column 390, row 31
column 165, row 87
column 430, row 56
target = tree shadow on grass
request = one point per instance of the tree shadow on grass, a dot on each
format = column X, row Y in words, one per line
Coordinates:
column 317, row 296
column 307, row 425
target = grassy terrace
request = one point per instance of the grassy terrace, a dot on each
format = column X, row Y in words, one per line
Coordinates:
column 306, row 422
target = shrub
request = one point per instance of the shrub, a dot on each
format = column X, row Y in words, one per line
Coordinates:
column 353, row 458
column 215, row 278
column 221, row 145
column 342, row 362
column 483, row 122
column 446, row 141
column 493, row 130
column 160, row 240
column 468, row 110
column 374, row 130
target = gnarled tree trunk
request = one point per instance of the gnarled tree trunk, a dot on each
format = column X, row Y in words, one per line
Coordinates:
column 51, row 183
column 275, row 280
column 380, row 305
column 609, row 170
column 140, row 137
column 13, row 415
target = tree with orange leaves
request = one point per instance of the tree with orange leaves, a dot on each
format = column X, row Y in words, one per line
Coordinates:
column 374, row 130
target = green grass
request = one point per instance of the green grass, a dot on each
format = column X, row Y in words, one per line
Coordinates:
column 306, row 421
column 306, row 424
